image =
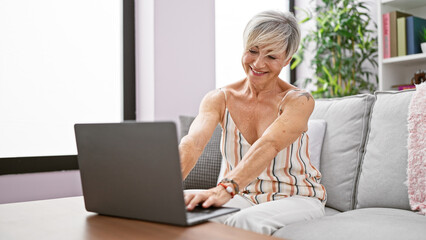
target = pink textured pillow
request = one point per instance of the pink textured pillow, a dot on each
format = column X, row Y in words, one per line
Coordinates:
column 416, row 167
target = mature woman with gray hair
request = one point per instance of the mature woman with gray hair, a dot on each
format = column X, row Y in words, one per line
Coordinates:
column 264, row 142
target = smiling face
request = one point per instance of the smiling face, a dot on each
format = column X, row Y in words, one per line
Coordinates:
column 262, row 65
column 270, row 40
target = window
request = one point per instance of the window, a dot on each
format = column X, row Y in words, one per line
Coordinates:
column 61, row 63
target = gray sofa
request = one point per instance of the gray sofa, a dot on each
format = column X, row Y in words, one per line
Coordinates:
column 364, row 167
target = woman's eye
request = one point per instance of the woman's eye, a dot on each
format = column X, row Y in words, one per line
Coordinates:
column 252, row 51
column 272, row 57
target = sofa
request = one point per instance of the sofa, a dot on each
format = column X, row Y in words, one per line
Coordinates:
column 363, row 160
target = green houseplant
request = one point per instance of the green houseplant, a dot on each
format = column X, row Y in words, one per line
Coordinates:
column 343, row 47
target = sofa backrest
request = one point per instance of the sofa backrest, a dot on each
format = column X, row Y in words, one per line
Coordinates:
column 384, row 166
column 364, row 154
column 343, row 147
column 356, row 173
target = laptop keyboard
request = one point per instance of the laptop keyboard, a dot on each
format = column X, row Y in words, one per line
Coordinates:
column 199, row 212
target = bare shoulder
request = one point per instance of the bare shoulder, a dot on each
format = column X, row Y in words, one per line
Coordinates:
column 300, row 94
column 213, row 103
column 214, row 98
column 300, row 99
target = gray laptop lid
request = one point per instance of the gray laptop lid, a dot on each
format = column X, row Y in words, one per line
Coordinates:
column 131, row 170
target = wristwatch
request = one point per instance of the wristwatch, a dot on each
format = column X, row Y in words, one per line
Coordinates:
column 236, row 189
column 228, row 189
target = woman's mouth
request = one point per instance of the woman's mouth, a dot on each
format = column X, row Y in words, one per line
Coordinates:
column 256, row 73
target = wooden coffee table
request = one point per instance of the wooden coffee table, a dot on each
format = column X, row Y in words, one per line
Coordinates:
column 66, row 218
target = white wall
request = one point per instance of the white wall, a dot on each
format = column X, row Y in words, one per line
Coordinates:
column 39, row 186
column 304, row 69
column 183, row 57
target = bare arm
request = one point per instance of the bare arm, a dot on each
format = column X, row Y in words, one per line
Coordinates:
column 192, row 145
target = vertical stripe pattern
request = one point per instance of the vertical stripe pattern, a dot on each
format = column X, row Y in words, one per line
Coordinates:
column 289, row 173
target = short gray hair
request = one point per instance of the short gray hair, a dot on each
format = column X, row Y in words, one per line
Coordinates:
column 279, row 30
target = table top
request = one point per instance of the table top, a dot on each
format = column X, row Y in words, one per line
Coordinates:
column 66, row 218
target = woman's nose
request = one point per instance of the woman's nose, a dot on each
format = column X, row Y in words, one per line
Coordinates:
column 258, row 62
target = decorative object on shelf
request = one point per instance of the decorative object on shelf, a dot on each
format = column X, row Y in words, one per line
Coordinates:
column 343, row 43
column 423, row 44
column 404, row 87
column 419, row 77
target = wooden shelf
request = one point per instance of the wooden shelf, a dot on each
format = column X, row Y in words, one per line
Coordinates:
column 404, row 4
column 407, row 60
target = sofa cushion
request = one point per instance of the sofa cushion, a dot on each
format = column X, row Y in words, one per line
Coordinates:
column 384, row 167
column 205, row 172
column 347, row 125
column 316, row 132
column 330, row 211
column 369, row 223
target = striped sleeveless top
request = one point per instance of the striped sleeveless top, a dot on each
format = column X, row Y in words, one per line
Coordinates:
column 289, row 173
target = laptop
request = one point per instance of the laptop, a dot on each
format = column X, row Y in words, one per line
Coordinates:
column 132, row 170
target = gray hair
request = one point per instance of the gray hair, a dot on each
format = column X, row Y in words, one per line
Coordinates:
column 275, row 29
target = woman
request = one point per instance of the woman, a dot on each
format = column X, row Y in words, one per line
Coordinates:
column 264, row 141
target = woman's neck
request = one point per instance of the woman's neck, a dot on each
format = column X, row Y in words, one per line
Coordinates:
column 259, row 90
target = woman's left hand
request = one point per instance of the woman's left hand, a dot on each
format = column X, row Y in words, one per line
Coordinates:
column 216, row 197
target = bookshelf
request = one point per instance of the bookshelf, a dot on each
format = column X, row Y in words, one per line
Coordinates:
column 399, row 70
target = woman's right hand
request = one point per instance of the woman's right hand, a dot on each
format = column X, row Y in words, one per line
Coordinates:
column 216, row 197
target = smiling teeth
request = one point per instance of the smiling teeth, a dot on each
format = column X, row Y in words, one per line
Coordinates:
column 256, row 72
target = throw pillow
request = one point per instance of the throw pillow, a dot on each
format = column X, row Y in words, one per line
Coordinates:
column 316, row 132
column 343, row 146
column 416, row 167
column 383, row 169
column 205, row 172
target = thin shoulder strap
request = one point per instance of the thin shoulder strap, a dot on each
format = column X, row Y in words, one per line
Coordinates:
column 224, row 92
column 280, row 106
column 226, row 100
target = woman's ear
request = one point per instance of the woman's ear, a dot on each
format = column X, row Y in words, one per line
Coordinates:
column 288, row 61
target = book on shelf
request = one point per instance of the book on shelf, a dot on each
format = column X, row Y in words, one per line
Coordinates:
column 390, row 39
column 402, row 43
column 394, row 31
column 414, row 26
column 386, row 35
